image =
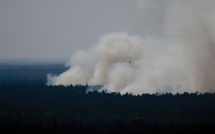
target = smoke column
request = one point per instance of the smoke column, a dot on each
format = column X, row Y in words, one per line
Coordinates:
column 193, row 23
column 181, row 61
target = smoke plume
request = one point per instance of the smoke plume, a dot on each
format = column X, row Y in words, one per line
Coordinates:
column 181, row 61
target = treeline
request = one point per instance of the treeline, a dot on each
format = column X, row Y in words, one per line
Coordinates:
column 38, row 103
column 28, row 74
column 57, row 108
column 27, row 105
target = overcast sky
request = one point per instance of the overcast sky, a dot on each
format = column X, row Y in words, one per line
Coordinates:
column 56, row 28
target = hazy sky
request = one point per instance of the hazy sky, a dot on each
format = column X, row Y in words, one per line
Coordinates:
column 55, row 28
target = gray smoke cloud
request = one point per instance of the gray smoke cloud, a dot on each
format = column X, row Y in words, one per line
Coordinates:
column 180, row 61
column 193, row 23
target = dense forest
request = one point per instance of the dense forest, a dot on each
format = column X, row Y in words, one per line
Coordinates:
column 28, row 74
column 27, row 105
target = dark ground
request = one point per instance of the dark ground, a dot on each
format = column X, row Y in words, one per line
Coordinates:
column 27, row 105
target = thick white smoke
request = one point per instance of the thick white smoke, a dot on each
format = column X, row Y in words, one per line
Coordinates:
column 181, row 61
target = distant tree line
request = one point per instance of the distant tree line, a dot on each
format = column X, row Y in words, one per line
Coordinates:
column 39, row 103
column 28, row 74
column 27, row 105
